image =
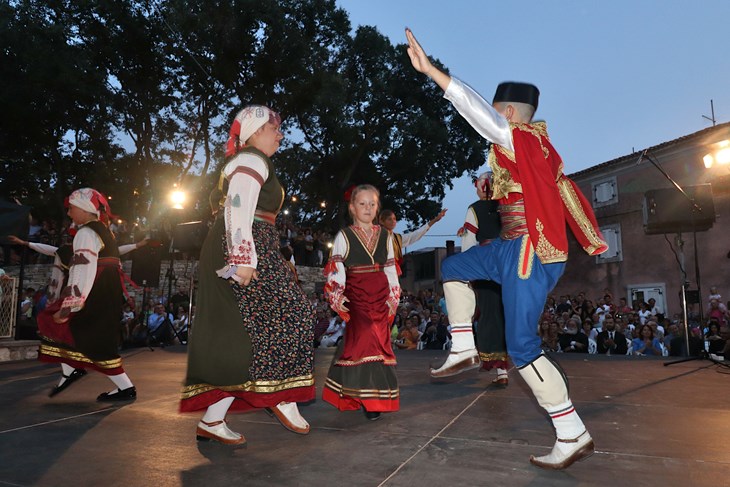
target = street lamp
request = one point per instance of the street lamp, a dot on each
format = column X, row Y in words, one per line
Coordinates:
column 721, row 154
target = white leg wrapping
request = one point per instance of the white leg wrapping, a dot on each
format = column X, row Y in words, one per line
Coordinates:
column 502, row 373
column 551, row 391
column 460, row 301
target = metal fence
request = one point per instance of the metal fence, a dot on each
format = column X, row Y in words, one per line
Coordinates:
column 8, row 301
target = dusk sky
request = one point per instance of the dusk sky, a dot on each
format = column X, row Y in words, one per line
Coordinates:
column 614, row 77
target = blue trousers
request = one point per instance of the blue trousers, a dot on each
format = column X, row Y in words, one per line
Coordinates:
column 526, row 283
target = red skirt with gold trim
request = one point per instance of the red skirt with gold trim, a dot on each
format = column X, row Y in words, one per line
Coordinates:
column 362, row 373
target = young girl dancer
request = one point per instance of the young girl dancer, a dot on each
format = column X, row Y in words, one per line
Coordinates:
column 362, row 287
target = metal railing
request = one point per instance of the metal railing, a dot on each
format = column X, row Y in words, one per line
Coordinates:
column 8, row 308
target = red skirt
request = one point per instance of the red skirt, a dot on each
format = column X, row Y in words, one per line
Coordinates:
column 362, row 373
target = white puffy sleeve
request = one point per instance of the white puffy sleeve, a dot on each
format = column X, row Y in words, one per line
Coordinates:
column 82, row 271
column 246, row 173
column 482, row 116
column 43, row 248
column 471, row 226
column 408, row 239
column 334, row 271
column 391, row 272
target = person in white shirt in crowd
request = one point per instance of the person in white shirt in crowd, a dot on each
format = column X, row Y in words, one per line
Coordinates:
column 333, row 333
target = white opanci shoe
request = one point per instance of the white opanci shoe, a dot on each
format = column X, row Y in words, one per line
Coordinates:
column 218, row 431
column 457, row 362
column 566, row 452
column 288, row 415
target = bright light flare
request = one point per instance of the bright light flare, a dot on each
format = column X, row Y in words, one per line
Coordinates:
column 720, row 156
column 177, row 198
column 723, row 156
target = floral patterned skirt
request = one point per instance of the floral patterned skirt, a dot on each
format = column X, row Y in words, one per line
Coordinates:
column 253, row 342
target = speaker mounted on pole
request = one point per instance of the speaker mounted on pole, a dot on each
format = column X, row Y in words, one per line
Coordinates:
column 189, row 237
column 667, row 210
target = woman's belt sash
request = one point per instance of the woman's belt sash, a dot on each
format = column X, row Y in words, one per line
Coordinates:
column 265, row 216
column 364, row 269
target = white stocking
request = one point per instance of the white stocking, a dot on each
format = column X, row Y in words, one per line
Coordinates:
column 121, row 381
column 218, row 410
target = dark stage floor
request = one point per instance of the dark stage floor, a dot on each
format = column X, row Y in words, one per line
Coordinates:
column 652, row 425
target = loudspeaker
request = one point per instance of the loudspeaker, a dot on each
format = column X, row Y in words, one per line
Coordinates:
column 189, row 237
column 669, row 211
column 693, row 297
column 146, row 265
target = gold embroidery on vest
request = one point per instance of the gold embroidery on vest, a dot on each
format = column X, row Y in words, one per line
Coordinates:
column 545, row 250
column 502, row 182
column 572, row 202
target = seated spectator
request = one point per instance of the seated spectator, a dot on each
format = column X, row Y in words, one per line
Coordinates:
column 180, row 324
column 127, row 323
column 563, row 305
column 159, row 325
column 656, row 328
column 717, row 313
column 646, row 343
column 321, row 324
column 611, row 341
column 436, row 334
column 550, row 342
column 408, row 338
column 587, row 328
column 623, row 308
column 716, row 344
column 572, row 341
column 644, row 312
column 333, row 333
column 655, row 310
column 672, row 333
column 587, row 310
column 678, row 345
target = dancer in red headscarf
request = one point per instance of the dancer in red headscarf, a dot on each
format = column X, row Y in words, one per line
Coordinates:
column 80, row 330
column 252, row 344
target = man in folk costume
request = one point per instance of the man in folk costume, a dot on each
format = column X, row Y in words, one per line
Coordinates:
column 81, row 329
column 536, row 199
column 482, row 225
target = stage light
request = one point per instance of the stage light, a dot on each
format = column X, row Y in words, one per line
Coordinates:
column 323, row 204
column 329, row 245
column 286, row 212
column 721, row 155
column 294, row 199
column 177, row 198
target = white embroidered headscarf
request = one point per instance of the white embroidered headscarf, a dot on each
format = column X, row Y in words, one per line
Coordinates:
column 89, row 199
column 246, row 123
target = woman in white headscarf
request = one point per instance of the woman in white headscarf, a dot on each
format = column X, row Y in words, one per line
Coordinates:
column 80, row 329
column 251, row 344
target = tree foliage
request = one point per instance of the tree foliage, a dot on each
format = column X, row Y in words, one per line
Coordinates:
column 131, row 97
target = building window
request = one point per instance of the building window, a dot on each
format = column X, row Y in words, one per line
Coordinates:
column 605, row 193
column 612, row 234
